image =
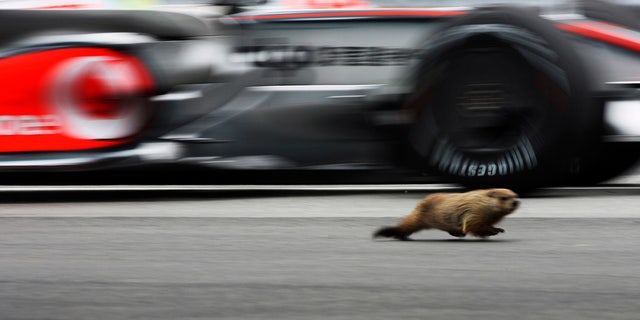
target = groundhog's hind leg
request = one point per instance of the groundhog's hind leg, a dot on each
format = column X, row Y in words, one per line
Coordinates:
column 412, row 224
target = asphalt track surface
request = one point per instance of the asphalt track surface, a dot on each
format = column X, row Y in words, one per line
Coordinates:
column 307, row 253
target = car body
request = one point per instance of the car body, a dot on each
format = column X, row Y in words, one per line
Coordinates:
column 518, row 96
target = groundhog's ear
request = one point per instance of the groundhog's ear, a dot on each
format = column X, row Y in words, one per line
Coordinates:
column 491, row 194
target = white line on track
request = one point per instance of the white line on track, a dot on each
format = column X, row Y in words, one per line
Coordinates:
column 73, row 188
column 337, row 188
column 388, row 201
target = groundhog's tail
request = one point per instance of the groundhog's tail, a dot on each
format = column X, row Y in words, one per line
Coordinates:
column 390, row 232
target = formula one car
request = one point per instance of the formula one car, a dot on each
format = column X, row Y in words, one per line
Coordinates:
column 503, row 95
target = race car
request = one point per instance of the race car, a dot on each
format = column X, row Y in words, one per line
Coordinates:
column 517, row 95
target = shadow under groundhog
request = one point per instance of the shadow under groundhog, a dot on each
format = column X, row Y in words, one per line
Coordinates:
column 454, row 240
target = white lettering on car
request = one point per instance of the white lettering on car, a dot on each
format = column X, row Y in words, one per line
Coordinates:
column 29, row 125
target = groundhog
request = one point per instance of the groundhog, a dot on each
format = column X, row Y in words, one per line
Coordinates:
column 474, row 212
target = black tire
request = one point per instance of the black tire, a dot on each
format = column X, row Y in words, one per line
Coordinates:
column 501, row 99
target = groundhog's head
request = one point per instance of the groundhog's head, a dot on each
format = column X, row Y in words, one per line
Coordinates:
column 505, row 199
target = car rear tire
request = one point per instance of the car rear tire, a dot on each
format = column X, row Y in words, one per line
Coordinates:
column 501, row 99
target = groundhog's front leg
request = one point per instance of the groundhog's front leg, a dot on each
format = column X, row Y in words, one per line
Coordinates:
column 489, row 231
column 479, row 227
column 457, row 233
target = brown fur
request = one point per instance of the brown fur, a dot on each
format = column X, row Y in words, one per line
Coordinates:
column 474, row 212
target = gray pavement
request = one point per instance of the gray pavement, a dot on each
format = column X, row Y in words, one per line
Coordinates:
column 566, row 254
